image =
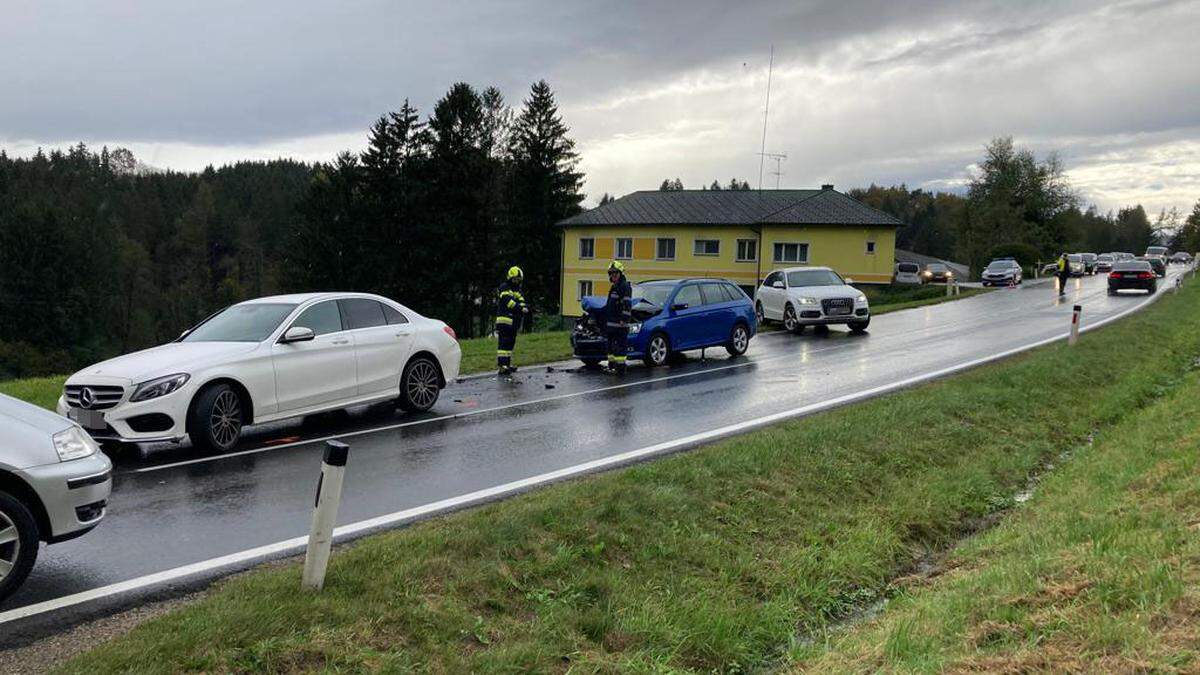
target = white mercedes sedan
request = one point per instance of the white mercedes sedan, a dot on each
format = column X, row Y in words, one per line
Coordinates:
column 262, row 361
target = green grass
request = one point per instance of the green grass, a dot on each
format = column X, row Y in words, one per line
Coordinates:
column 1099, row 572
column 479, row 354
column 41, row 391
column 723, row 558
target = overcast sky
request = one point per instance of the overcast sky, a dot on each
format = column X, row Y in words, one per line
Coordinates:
column 863, row 91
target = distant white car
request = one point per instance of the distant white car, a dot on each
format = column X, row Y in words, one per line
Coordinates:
column 907, row 273
column 811, row 296
column 262, row 361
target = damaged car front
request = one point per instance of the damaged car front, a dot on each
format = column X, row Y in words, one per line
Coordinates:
column 589, row 339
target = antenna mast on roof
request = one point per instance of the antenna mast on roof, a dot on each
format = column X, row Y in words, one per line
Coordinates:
column 778, row 157
column 762, row 158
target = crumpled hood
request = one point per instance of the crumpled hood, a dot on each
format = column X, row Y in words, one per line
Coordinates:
column 168, row 359
column 593, row 306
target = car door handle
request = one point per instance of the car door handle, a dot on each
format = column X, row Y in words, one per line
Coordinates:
column 404, row 332
column 340, row 342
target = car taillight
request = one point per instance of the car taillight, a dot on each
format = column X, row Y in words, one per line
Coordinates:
column 1146, row 275
column 450, row 332
column 1114, row 275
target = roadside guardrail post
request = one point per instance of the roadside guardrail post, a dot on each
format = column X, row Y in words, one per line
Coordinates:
column 949, row 286
column 324, row 516
column 1075, row 325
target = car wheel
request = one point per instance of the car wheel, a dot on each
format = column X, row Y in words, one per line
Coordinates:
column 419, row 385
column 18, row 543
column 658, row 350
column 216, row 418
column 758, row 314
column 790, row 322
column 739, row 340
column 1153, row 289
column 859, row 327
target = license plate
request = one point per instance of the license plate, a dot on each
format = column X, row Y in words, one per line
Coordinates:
column 88, row 419
column 839, row 311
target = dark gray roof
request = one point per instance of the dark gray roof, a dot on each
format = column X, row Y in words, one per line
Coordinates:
column 733, row 207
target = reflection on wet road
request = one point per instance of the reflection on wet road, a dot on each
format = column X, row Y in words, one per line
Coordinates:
column 174, row 507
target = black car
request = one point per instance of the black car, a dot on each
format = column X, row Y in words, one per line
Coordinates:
column 1157, row 263
column 1089, row 262
column 1132, row 274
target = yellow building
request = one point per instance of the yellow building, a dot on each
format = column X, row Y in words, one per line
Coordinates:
column 724, row 233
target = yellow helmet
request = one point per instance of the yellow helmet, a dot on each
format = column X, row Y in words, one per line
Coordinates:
column 515, row 272
column 616, row 266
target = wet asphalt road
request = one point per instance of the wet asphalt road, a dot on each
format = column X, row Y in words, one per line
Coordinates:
column 173, row 508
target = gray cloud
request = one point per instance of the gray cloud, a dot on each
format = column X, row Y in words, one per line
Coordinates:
column 870, row 90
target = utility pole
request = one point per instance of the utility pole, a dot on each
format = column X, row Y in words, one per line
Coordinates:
column 762, row 158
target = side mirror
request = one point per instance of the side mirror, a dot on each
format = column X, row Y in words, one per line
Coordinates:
column 297, row 334
column 777, row 284
column 679, row 305
column 848, row 280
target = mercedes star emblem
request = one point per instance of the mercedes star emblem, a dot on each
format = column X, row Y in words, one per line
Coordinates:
column 86, row 398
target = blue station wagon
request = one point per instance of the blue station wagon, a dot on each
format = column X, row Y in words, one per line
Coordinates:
column 671, row 316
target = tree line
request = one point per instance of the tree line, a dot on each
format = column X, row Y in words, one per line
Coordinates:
column 1017, row 204
column 99, row 257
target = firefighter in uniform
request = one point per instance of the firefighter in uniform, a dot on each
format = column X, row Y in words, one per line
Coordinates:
column 617, row 317
column 510, row 310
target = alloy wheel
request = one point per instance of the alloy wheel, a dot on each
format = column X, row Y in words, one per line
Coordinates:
column 422, row 385
column 658, row 350
column 225, row 421
column 789, row 318
column 741, row 339
column 10, row 545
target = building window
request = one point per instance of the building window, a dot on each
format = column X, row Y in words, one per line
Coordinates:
column 585, row 289
column 624, row 248
column 707, row 247
column 870, row 248
column 747, row 250
column 791, row 253
column 587, row 248
column 666, row 249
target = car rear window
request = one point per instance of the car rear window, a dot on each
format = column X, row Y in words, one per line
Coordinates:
column 1132, row 266
column 908, row 268
column 362, row 313
column 735, row 293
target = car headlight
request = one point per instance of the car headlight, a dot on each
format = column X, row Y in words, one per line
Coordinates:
column 862, row 298
column 635, row 328
column 928, row 273
column 158, row 387
column 74, row 444
column 806, row 301
column 949, row 275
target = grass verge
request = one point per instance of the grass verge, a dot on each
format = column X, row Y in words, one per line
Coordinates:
column 718, row 559
column 1100, row 571
column 40, row 391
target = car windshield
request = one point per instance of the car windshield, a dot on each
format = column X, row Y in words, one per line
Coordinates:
column 802, row 278
column 1075, row 257
column 250, row 322
column 1105, row 258
column 1156, row 250
column 1000, row 266
column 654, row 293
column 936, row 267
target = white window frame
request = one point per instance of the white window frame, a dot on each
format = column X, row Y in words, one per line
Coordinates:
column 590, row 240
column 696, row 251
column 798, row 245
column 580, row 286
column 658, row 242
column 738, row 252
column 871, row 247
column 617, row 248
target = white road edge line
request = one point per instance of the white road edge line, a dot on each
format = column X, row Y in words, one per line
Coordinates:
column 525, row 483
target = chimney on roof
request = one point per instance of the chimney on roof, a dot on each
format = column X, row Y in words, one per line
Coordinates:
column 827, row 186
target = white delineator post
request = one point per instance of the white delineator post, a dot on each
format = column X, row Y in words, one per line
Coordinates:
column 949, row 286
column 324, row 517
column 1075, row 325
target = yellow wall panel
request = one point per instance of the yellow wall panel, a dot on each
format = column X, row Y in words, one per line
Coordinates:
column 643, row 248
column 604, row 248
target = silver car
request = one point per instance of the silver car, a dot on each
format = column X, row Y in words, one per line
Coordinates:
column 54, row 485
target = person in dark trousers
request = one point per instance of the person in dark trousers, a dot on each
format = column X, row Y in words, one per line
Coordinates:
column 617, row 316
column 1064, row 273
column 510, row 310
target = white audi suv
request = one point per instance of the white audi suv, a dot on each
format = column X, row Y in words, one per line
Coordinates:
column 811, row 296
column 262, row 361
